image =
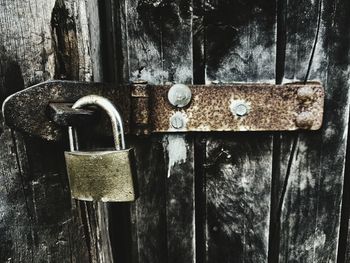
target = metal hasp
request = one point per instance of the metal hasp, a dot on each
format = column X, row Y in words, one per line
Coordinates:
column 248, row 107
column 151, row 108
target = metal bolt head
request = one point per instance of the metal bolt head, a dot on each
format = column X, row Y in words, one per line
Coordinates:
column 239, row 108
column 177, row 121
column 304, row 120
column 305, row 93
column 179, row 95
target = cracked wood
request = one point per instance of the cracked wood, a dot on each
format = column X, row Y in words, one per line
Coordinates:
column 42, row 40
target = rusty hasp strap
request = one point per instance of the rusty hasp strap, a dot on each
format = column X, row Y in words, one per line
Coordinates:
column 28, row 110
column 41, row 110
column 253, row 107
column 63, row 114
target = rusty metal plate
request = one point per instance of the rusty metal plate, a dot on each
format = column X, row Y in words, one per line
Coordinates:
column 146, row 108
column 268, row 108
column 28, row 110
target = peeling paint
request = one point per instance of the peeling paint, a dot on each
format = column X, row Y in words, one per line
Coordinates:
column 317, row 240
column 183, row 74
column 152, row 76
column 177, row 150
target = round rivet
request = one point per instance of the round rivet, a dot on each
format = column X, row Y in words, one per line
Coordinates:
column 177, row 121
column 179, row 95
column 305, row 120
column 305, row 93
column 239, row 108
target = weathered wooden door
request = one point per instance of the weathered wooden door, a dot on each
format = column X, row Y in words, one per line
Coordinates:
column 204, row 197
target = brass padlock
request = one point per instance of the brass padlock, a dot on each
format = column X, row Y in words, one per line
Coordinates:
column 106, row 176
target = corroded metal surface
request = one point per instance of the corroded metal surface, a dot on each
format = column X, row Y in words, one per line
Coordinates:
column 269, row 108
column 63, row 114
column 101, row 175
column 26, row 110
column 140, row 104
column 146, row 109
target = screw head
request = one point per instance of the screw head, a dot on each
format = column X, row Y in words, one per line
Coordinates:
column 179, row 95
column 177, row 121
column 239, row 108
column 305, row 93
column 304, row 120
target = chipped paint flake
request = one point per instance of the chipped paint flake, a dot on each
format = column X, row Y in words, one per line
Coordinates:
column 177, row 150
column 152, row 76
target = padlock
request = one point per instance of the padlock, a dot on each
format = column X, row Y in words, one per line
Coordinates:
column 107, row 176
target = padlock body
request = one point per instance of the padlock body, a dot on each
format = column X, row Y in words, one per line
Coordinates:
column 106, row 176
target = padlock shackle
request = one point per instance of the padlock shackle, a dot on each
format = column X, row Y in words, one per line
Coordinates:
column 109, row 108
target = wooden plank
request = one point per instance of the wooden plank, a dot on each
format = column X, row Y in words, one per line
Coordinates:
column 142, row 59
column 317, row 48
column 176, row 19
column 143, row 41
column 180, row 210
column 39, row 41
column 240, row 47
column 159, row 50
column 150, row 209
column 238, row 179
column 344, row 235
column 240, row 44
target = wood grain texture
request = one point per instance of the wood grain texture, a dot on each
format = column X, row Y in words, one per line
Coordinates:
column 239, row 47
column 238, row 181
column 240, row 43
column 344, row 232
column 176, row 26
column 150, row 208
column 180, row 210
column 159, row 50
column 144, row 50
column 230, row 198
column 310, row 207
column 42, row 40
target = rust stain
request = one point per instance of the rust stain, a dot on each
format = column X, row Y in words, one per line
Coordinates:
column 145, row 108
column 271, row 108
column 140, row 119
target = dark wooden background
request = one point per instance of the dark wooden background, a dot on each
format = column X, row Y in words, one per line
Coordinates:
column 204, row 197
